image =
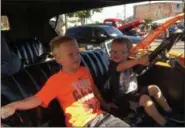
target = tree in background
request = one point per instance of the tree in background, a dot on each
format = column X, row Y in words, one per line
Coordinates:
column 83, row 15
column 97, row 22
column 60, row 22
column 146, row 26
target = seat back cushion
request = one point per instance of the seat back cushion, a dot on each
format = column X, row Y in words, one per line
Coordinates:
column 28, row 50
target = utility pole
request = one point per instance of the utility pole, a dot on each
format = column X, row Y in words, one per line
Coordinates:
column 124, row 7
column 66, row 20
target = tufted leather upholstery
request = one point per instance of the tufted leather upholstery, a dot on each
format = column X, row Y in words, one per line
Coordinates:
column 28, row 51
column 26, row 83
column 30, row 80
column 10, row 62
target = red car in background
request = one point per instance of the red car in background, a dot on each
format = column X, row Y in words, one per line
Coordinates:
column 118, row 23
column 122, row 25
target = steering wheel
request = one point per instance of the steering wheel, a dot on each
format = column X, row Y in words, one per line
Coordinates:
column 160, row 52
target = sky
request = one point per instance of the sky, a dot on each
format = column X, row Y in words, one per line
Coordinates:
column 118, row 11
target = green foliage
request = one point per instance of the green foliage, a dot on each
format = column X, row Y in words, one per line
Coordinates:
column 147, row 24
column 154, row 25
column 97, row 22
column 84, row 13
column 148, row 21
column 97, row 10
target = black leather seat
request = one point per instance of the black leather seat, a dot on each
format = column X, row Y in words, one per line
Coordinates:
column 30, row 80
column 26, row 83
column 10, row 62
column 29, row 51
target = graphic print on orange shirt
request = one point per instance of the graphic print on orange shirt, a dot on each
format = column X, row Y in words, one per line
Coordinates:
column 83, row 94
column 85, row 106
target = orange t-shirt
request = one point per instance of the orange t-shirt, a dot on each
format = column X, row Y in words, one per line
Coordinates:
column 74, row 92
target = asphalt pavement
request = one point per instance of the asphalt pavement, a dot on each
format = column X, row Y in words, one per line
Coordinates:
column 179, row 47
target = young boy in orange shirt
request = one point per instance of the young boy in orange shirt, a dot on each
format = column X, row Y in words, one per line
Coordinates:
column 73, row 87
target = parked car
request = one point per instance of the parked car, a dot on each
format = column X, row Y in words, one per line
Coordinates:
column 96, row 34
column 125, row 26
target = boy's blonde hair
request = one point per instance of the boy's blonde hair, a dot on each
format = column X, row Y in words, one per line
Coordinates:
column 121, row 40
column 57, row 41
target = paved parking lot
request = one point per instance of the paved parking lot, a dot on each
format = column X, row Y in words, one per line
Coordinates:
column 179, row 47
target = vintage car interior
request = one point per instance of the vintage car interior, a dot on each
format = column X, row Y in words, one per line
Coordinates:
column 28, row 38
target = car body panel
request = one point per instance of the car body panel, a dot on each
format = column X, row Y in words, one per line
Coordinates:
column 109, row 31
column 125, row 25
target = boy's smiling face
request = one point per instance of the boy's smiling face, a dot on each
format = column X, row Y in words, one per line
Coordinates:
column 119, row 52
column 68, row 56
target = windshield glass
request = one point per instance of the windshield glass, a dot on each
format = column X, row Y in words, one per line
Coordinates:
column 161, row 11
column 109, row 23
column 119, row 23
column 112, row 31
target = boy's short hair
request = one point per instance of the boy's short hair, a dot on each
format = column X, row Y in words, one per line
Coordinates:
column 122, row 40
column 57, row 41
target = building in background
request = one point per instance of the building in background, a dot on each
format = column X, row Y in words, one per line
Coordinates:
column 157, row 11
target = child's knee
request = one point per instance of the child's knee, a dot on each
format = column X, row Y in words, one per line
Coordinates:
column 145, row 100
column 153, row 90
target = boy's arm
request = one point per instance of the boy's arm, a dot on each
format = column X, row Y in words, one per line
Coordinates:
column 28, row 103
column 126, row 65
column 131, row 63
column 43, row 97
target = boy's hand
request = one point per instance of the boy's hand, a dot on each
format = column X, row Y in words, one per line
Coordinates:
column 144, row 60
column 7, row 111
